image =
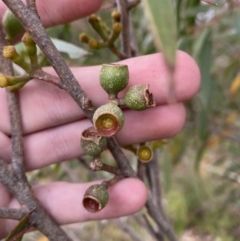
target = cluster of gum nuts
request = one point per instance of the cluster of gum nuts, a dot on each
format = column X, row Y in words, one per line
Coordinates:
column 107, row 120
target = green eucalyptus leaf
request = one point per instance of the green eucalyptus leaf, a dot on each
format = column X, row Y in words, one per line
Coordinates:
column 236, row 21
column 162, row 17
column 73, row 51
column 20, row 229
column 203, row 54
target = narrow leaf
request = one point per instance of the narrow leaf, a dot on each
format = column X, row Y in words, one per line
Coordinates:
column 73, row 51
column 236, row 23
column 203, row 54
column 22, row 227
column 162, row 17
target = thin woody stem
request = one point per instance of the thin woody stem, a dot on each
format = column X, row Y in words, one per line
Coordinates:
column 13, row 175
column 31, row 4
column 15, row 117
column 42, row 75
column 13, row 213
column 122, row 6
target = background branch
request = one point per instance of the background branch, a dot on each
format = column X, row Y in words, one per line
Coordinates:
column 122, row 6
column 13, row 175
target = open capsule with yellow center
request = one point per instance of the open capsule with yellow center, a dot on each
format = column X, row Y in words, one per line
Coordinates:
column 145, row 154
column 92, row 143
column 108, row 119
column 95, row 198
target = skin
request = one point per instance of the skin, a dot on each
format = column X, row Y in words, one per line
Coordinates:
column 50, row 120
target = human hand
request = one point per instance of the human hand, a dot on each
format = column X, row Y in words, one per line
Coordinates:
column 53, row 123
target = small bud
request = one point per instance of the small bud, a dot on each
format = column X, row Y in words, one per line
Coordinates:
column 84, row 38
column 10, row 52
column 97, row 25
column 31, row 48
column 9, row 81
column 114, row 78
column 144, row 154
column 116, row 16
column 138, row 97
column 93, row 43
column 108, row 119
column 3, row 81
column 95, row 198
column 27, row 39
column 93, row 19
column 12, row 25
column 92, row 143
column 117, row 28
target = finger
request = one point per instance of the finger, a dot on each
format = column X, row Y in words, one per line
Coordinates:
column 63, row 201
column 52, row 13
column 63, row 143
column 44, row 106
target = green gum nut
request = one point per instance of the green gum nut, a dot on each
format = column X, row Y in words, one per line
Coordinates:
column 12, row 25
column 114, row 78
column 144, row 154
column 139, row 98
column 92, row 143
column 108, row 119
column 95, row 198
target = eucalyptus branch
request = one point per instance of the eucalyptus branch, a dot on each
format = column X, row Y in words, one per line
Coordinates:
column 118, row 154
column 158, row 235
column 31, row 4
column 122, row 6
column 127, row 229
column 69, row 83
column 140, row 170
column 46, row 77
column 98, row 165
column 161, row 221
column 13, row 213
column 13, row 175
column 154, row 175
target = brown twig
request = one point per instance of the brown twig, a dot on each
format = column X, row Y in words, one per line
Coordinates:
column 23, row 193
column 127, row 229
column 31, row 4
column 112, row 181
column 115, row 51
column 158, row 235
column 42, row 75
column 154, row 174
column 13, row 175
column 13, row 213
column 162, row 223
column 140, row 170
column 98, row 165
column 122, row 6
column 118, row 155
